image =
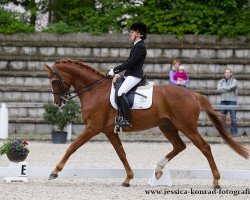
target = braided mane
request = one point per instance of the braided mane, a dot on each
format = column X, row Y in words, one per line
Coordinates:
column 83, row 65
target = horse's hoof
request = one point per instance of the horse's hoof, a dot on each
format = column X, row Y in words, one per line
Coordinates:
column 216, row 184
column 53, row 176
column 217, row 187
column 158, row 175
column 125, row 184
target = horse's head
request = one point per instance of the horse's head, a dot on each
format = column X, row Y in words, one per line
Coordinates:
column 59, row 86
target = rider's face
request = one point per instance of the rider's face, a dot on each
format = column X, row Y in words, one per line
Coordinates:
column 134, row 35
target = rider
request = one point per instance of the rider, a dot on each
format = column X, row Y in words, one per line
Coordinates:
column 133, row 67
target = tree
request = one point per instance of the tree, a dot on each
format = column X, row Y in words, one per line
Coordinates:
column 29, row 5
column 11, row 23
column 223, row 18
column 88, row 15
column 212, row 17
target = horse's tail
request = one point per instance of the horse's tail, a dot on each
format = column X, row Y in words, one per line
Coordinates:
column 221, row 126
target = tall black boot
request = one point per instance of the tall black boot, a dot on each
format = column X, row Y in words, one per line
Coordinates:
column 124, row 104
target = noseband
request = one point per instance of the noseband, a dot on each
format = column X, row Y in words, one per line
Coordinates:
column 63, row 93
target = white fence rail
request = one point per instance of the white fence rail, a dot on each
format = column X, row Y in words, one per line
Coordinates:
column 120, row 173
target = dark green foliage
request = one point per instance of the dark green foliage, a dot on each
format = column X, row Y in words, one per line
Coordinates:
column 11, row 23
column 29, row 5
column 61, row 117
column 62, row 27
column 86, row 16
column 223, row 18
column 210, row 17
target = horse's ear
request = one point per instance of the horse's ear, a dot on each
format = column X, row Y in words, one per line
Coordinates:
column 50, row 70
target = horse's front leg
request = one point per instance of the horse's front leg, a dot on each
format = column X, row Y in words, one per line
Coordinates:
column 80, row 140
column 116, row 142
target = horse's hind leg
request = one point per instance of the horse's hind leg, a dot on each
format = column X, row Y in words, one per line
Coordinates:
column 205, row 148
column 116, row 142
column 171, row 133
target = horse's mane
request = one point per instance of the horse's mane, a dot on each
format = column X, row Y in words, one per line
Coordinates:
column 83, row 65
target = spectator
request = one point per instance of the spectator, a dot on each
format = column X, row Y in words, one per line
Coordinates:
column 175, row 68
column 181, row 77
column 227, row 87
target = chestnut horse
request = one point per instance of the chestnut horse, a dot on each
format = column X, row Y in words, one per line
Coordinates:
column 174, row 109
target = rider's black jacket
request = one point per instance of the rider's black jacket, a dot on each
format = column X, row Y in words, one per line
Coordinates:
column 134, row 63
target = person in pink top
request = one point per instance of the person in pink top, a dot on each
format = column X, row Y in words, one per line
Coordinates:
column 181, row 77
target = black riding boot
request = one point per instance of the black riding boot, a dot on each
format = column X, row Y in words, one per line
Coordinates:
column 125, row 122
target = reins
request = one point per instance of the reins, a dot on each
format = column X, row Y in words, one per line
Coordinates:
column 90, row 86
column 86, row 88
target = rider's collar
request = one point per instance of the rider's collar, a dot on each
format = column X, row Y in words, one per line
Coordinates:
column 137, row 41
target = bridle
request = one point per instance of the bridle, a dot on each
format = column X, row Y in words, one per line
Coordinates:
column 66, row 95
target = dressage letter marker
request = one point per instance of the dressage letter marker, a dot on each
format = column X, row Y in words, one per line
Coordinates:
column 23, row 170
column 17, row 172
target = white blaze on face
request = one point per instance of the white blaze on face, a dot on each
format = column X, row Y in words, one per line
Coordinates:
column 52, row 93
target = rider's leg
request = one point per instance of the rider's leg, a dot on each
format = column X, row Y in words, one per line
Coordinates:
column 125, row 111
column 127, row 85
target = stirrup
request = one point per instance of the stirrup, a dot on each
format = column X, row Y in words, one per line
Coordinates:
column 120, row 122
column 118, row 119
column 124, row 124
column 117, row 129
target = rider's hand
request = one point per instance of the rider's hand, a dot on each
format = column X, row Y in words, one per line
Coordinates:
column 111, row 72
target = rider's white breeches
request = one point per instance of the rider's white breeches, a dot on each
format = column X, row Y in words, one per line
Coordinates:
column 128, row 84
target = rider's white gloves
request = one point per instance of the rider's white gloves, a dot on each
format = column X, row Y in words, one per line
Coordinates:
column 111, row 72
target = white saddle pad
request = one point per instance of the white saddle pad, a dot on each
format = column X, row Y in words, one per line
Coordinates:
column 140, row 102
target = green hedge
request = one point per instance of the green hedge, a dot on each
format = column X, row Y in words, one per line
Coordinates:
column 10, row 22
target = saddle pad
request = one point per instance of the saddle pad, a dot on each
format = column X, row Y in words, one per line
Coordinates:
column 140, row 102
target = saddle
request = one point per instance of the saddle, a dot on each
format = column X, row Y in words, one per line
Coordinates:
column 140, row 97
column 131, row 94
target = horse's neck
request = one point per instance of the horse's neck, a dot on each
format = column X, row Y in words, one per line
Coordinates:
column 82, row 77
